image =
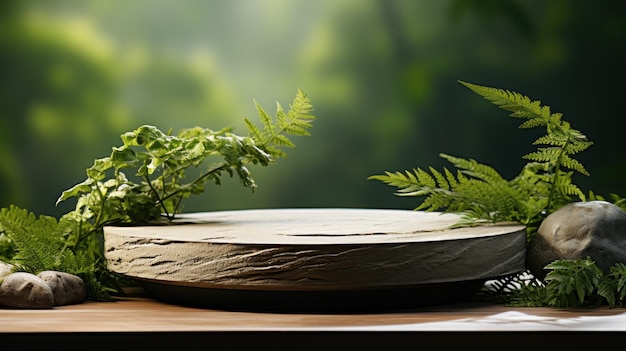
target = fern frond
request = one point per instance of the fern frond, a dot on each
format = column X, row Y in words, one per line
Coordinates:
column 606, row 290
column 420, row 183
column 490, row 198
column 575, row 147
column 479, row 192
column 408, row 183
column 618, row 274
column 474, row 169
column 532, row 123
column 425, row 180
column 550, row 140
column 301, row 107
column 530, row 295
column 450, row 178
column 570, row 282
column 266, row 119
column 573, row 164
column 441, row 179
column 38, row 242
column 564, row 186
column 281, row 140
column 274, row 133
column 548, row 155
column 521, row 106
column 254, row 131
column 567, row 141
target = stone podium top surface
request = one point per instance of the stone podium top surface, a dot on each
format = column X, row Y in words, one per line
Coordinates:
column 299, row 226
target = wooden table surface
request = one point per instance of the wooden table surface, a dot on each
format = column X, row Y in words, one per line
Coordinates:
column 138, row 315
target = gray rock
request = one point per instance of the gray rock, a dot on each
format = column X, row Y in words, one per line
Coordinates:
column 25, row 290
column 68, row 289
column 595, row 229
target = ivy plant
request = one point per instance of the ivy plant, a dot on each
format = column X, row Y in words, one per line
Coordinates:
column 144, row 181
column 480, row 194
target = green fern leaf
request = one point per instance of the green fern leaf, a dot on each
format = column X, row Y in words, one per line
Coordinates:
column 442, row 181
column 266, row 119
column 573, row 164
column 425, row 180
column 577, row 146
column 474, row 169
column 38, row 240
column 255, row 132
column 274, row 133
column 532, row 123
column 571, row 281
column 566, row 188
column 479, row 191
column 549, row 140
column 521, row 106
column 451, row 180
column 607, row 290
column 550, row 155
column 281, row 140
column 618, row 274
column 408, row 183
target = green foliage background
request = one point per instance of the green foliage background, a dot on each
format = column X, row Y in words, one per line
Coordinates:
column 382, row 73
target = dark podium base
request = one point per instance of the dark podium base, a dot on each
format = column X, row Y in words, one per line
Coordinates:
column 339, row 301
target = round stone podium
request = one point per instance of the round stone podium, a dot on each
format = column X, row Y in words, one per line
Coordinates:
column 314, row 259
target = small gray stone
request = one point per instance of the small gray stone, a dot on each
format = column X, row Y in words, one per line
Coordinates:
column 25, row 290
column 68, row 289
column 595, row 229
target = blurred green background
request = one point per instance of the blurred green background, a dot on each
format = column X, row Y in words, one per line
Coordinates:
column 382, row 75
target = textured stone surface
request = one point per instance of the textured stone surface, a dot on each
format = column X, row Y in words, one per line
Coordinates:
column 595, row 228
column 315, row 249
column 45, row 290
column 68, row 289
column 25, row 290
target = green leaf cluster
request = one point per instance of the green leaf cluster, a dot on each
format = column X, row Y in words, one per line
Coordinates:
column 39, row 239
column 144, row 181
column 569, row 284
column 481, row 195
column 40, row 243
